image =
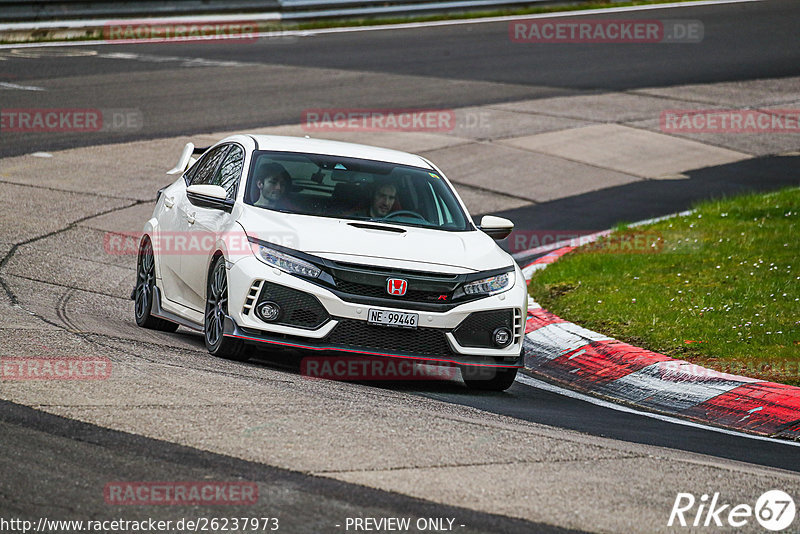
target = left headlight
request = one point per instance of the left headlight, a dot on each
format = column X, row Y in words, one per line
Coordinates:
column 490, row 285
column 285, row 262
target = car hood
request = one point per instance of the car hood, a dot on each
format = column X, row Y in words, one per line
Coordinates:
column 412, row 248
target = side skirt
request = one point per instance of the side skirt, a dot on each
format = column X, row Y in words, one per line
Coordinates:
column 158, row 311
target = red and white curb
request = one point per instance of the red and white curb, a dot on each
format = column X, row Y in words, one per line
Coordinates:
column 564, row 353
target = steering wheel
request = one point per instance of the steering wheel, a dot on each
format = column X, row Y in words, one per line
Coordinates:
column 401, row 213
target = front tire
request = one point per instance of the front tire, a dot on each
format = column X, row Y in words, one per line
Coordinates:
column 143, row 294
column 488, row 378
column 216, row 310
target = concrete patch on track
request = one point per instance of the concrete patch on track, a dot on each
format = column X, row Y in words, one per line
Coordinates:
column 627, row 150
column 508, row 170
column 27, row 212
column 752, row 143
column 504, row 120
column 130, row 171
column 749, row 94
column 48, row 267
column 414, row 142
column 598, row 107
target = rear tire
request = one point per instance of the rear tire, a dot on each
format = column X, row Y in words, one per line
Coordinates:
column 216, row 310
column 143, row 294
column 488, row 378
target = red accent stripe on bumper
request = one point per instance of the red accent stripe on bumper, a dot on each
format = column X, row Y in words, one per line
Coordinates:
column 369, row 353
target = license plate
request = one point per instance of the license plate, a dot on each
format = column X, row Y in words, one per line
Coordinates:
column 390, row 318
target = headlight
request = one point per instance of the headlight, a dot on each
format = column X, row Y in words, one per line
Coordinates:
column 284, row 261
column 490, row 285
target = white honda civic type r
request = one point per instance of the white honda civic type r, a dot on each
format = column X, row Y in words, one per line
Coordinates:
column 332, row 247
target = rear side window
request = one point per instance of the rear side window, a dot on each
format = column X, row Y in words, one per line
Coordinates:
column 203, row 171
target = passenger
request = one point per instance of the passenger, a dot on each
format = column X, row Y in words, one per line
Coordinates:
column 273, row 184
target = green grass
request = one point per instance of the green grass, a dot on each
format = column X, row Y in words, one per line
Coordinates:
column 719, row 287
column 94, row 34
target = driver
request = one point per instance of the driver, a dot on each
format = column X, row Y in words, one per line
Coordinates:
column 383, row 200
column 273, row 183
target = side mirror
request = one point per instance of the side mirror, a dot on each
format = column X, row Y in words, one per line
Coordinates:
column 209, row 196
column 496, row 227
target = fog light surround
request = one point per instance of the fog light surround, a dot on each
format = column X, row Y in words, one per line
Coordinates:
column 268, row 311
column 502, row 337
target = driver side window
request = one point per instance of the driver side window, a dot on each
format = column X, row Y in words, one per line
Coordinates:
column 229, row 172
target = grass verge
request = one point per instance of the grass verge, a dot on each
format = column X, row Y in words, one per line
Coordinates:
column 719, row 287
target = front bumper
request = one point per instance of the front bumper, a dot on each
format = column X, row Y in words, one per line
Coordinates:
column 341, row 326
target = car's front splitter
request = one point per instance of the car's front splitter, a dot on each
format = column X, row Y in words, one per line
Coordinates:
column 231, row 329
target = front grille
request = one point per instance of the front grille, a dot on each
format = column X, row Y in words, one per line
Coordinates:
column 355, row 334
column 365, row 290
column 298, row 309
column 477, row 329
column 370, row 282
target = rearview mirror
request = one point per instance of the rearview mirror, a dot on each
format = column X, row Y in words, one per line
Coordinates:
column 209, row 196
column 496, row 227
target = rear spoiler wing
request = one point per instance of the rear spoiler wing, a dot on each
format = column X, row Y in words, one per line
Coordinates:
column 186, row 160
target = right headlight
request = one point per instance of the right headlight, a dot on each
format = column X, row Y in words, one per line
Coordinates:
column 490, row 285
column 285, row 262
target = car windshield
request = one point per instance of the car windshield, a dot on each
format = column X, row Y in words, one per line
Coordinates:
column 350, row 188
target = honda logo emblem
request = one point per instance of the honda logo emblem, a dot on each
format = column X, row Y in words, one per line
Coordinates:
column 396, row 286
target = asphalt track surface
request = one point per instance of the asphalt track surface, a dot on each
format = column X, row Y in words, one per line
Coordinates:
column 536, row 405
column 64, row 452
column 457, row 66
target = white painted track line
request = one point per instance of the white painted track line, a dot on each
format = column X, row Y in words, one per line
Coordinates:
column 539, row 384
